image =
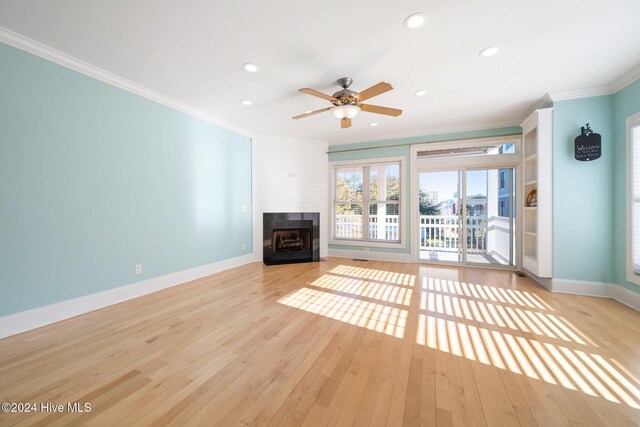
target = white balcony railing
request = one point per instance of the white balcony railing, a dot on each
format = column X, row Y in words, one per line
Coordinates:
column 437, row 232
column 442, row 232
column 350, row 227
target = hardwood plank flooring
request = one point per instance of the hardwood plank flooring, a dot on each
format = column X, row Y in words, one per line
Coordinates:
column 336, row 343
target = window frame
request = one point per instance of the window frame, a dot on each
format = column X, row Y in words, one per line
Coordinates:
column 632, row 123
column 401, row 203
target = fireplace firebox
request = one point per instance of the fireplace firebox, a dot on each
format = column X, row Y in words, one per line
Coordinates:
column 291, row 237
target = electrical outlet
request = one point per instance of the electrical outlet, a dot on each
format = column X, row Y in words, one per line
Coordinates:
column 243, row 246
column 138, row 268
column 244, row 209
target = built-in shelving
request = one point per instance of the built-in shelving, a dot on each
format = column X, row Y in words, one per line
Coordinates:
column 536, row 168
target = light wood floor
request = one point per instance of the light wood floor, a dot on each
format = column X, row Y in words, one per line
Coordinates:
column 340, row 342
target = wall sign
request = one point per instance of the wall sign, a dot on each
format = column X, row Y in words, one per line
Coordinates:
column 588, row 145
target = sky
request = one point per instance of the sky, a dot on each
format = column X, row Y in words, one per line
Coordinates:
column 446, row 183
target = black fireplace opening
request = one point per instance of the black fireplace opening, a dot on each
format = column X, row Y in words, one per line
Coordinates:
column 291, row 240
column 291, row 237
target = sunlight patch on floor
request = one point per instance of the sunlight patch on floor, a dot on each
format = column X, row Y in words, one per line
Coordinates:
column 511, row 330
column 379, row 291
column 385, row 276
column 370, row 315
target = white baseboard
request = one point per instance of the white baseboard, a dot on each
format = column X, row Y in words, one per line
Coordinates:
column 625, row 296
column 581, row 287
column 372, row 256
column 41, row 316
column 597, row 289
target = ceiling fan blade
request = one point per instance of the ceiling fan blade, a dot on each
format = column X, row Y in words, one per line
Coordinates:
column 314, row 92
column 374, row 90
column 381, row 110
column 345, row 123
column 302, row 116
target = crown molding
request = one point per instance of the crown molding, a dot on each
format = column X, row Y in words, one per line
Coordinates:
column 26, row 44
column 544, row 102
column 616, row 86
column 626, row 79
column 502, row 123
column 581, row 93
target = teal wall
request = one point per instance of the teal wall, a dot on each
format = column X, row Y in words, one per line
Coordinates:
column 400, row 148
column 582, row 193
column 94, row 180
column 625, row 103
column 590, row 242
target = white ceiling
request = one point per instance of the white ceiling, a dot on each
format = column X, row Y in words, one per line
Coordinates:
column 193, row 51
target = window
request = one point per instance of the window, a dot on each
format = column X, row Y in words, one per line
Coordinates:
column 502, row 178
column 507, row 149
column 366, row 202
column 633, row 199
column 470, row 148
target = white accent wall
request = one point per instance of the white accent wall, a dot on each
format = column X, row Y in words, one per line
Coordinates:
column 289, row 175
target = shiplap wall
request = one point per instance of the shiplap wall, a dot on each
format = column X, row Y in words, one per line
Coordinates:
column 289, row 175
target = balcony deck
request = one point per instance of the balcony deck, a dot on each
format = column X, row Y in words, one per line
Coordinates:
column 476, row 257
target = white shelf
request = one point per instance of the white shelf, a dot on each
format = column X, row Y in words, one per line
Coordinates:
column 537, row 241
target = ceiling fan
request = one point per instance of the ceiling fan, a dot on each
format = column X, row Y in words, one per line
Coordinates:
column 347, row 103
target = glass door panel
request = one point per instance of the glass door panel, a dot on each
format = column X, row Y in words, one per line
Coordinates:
column 439, row 204
column 490, row 216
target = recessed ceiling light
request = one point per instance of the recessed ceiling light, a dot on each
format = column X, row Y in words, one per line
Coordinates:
column 373, row 124
column 252, row 68
column 414, row 21
column 246, row 102
column 489, row 51
column 421, row 93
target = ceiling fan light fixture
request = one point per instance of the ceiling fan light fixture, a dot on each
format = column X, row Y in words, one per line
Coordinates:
column 421, row 93
column 415, row 20
column 345, row 111
column 373, row 124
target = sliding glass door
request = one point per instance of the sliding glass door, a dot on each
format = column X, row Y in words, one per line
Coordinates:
column 467, row 216
column 440, row 198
